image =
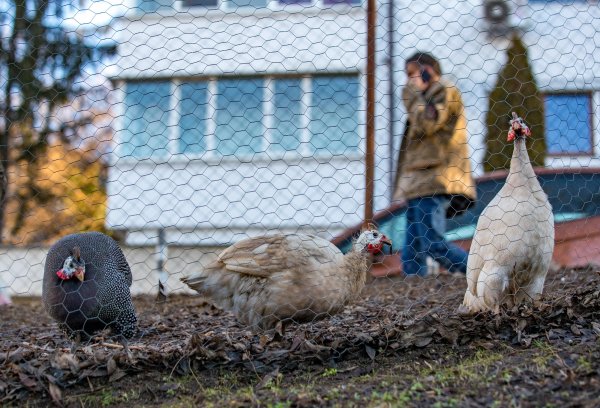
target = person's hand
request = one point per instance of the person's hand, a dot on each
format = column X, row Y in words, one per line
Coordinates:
column 411, row 94
column 416, row 83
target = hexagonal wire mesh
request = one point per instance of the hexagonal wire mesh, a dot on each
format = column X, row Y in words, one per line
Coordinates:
column 222, row 144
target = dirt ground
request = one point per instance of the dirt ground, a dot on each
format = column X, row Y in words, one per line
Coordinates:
column 401, row 344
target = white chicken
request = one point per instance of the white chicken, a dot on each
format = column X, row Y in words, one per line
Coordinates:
column 267, row 281
column 512, row 247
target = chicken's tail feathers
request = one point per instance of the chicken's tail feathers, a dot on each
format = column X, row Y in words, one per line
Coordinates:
column 195, row 282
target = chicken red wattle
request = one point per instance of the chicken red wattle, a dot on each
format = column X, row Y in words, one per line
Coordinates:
column 518, row 128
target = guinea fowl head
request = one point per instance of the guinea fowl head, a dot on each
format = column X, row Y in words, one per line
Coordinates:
column 73, row 266
column 372, row 241
column 518, row 128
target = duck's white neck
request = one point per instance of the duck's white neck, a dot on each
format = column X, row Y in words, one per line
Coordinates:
column 520, row 165
column 357, row 264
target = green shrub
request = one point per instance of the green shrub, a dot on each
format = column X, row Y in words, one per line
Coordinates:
column 516, row 91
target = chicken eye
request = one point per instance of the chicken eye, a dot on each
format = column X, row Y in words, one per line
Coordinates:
column 375, row 235
column 71, row 265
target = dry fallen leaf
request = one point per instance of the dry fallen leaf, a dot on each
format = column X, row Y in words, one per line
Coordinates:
column 370, row 352
column 55, row 393
column 111, row 365
column 27, row 381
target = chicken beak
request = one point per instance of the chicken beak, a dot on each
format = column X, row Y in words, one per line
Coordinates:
column 80, row 274
column 387, row 241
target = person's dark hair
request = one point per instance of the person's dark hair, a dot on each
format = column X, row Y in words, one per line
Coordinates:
column 423, row 58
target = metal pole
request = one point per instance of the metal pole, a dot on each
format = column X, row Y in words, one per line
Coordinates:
column 161, row 255
column 370, row 154
column 392, row 100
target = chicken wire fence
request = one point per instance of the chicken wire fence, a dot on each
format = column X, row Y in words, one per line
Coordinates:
column 183, row 128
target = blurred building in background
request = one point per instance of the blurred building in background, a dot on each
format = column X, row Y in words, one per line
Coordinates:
column 237, row 117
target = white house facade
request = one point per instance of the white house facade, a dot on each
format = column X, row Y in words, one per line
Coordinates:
column 238, row 117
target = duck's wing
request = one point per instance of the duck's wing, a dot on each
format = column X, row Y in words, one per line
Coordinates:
column 265, row 255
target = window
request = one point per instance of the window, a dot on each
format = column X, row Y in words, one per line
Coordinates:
column 192, row 122
column 146, row 118
column 334, row 110
column 200, row 3
column 239, row 116
column 295, row 1
column 568, row 127
column 287, row 112
column 152, row 6
column 329, row 2
column 246, row 3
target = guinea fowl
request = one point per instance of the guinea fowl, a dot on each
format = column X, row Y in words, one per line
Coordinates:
column 268, row 281
column 86, row 286
column 512, row 247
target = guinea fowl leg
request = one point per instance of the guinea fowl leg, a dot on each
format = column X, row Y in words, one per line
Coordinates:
column 125, row 345
column 76, row 342
column 279, row 331
column 141, row 333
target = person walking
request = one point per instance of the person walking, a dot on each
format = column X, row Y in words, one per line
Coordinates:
column 434, row 170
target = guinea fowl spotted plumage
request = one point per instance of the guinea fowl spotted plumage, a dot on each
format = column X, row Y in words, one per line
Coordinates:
column 270, row 280
column 86, row 286
column 512, row 247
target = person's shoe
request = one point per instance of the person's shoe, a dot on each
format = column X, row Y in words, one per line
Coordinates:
column 433, row 267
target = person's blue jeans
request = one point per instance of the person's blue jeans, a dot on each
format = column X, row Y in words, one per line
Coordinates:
column 425, row 229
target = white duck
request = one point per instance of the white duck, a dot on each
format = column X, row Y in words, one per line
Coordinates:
column 512, row 247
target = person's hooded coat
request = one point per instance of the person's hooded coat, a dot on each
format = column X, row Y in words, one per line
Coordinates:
column 434, row 154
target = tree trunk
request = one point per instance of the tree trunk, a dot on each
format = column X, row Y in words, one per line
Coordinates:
column 3, row 188
column 4, row 138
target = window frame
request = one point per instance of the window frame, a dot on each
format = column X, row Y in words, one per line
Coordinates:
column 271, row 5
column 184, row 4
column 590, row 103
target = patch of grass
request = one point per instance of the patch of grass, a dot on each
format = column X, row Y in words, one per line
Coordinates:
column 544, row 353
column 182, row 401
column 129, row 396
column 584, row 365
column 107, row 398
column 506, row 375
column 473, row 369
column 333, row 394
column 450, row 403
column 385, row 397
column 280, row 404
column 363, row 378
column 329, row 372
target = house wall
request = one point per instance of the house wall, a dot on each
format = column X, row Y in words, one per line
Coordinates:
column 213, row 199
